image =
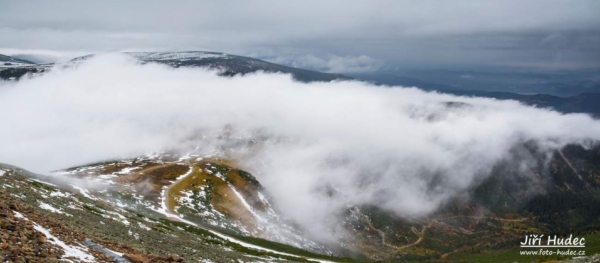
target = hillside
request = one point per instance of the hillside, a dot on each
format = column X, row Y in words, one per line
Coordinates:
column 85, row 224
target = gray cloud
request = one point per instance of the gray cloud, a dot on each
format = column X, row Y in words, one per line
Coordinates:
column 396, row 32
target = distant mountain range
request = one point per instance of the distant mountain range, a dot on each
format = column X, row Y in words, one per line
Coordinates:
column 557, row 83
column 229, row 65
column 586, row 102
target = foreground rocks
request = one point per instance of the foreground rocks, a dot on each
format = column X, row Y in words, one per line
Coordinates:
column 21, row 242
column 152, row 259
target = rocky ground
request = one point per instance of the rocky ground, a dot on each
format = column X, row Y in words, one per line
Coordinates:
column 21, row 242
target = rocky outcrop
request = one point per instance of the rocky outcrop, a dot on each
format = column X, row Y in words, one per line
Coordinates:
column 19, row 241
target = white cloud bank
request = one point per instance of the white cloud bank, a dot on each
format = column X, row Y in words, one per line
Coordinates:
column 323, row 146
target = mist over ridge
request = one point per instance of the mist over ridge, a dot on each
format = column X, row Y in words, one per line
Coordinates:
column 324, row 145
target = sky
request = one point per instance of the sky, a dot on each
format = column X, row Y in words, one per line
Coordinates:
column 332, row 36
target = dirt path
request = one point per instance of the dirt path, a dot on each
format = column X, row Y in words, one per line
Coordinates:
column 168, row 202
column 136, row 174
column 420, row 234
column 381, row 233
column 486, row 217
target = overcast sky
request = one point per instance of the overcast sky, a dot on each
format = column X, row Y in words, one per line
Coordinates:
column 335, row 36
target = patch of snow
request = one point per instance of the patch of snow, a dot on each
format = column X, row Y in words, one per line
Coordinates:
column 40, row 181
column 74, row 206
column 145, row 227
column 18, row 196
column 119, row 203
column 121, row 218
column 18, row 215
column 59, row 194
column 184, row 175
column 127, row 170
column 248, row 245
column 107, row 176
column 84, row 192
column 246, row 205
column 220, row 176
column 79, row 253
column 118, row 253
column 52, row 209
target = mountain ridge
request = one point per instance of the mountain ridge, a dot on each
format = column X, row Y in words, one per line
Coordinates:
column 227, row 64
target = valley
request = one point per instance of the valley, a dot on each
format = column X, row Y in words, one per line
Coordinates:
column 207, row 199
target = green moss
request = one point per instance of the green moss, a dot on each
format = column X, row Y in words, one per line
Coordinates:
column 248, row 177
column 93, row 210
column 42, row 186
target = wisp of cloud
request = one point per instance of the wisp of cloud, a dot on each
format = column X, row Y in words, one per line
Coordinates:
column 321, row 147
